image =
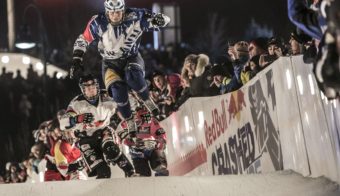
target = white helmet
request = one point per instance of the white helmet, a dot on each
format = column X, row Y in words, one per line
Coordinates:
column 114, row 5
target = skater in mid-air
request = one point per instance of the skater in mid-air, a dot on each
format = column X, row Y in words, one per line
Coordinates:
column 118, row 32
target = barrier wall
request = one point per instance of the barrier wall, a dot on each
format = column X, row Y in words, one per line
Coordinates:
column 279, row 120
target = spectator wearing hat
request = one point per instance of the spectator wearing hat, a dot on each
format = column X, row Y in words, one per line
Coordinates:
column 275, row 50
column 298, row 42
column 195, row 71
column 200, row 84
column 239, row 52
column 295, row 46
column 301, row 43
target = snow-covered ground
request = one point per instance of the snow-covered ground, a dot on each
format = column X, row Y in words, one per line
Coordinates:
column 285, row 183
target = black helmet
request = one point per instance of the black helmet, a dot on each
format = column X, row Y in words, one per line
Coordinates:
column 83, row 80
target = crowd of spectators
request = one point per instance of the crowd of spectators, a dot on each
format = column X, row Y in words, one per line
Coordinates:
column 174, row 73
column 200, row 76
column 22, row 110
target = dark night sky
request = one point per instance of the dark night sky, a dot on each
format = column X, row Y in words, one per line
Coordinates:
column 65, row 19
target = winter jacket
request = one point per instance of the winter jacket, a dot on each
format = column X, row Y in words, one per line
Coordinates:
column 200, row 83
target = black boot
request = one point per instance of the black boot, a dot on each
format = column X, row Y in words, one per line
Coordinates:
column 124, row 164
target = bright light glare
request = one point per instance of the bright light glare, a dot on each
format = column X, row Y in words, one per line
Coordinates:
column 26, row 60
column 39, row 66
column 59, row 75
column 300, row 84
column 174, row 136
column 289, row 79
column 200, row 119
column 25, row 45
column 311, row 83
column 5, row 59
column 186, row 123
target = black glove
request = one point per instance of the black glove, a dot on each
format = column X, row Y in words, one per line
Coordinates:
column 80, row 134
column 77, row 68
column 148, row 15
column 158, row 20
column 77, row 166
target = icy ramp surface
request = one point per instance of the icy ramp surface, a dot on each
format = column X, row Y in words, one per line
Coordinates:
column 279, row 183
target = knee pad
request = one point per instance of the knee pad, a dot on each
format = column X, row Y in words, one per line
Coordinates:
column 119, row 92
column 134, row 72
column 103, row 171
column 111, row 150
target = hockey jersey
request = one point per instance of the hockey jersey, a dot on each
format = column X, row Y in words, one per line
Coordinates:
column 62, row 155
column 118, row 41
column 101, row 112
column 149, row 130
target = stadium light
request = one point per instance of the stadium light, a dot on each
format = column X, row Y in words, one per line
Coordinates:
column 39, row 66
column 26, row 60
column 5, row 59
column 24, row 38
column 59, row 75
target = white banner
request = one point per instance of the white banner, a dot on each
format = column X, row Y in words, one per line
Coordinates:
column 234, row 133
column 276, row 121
